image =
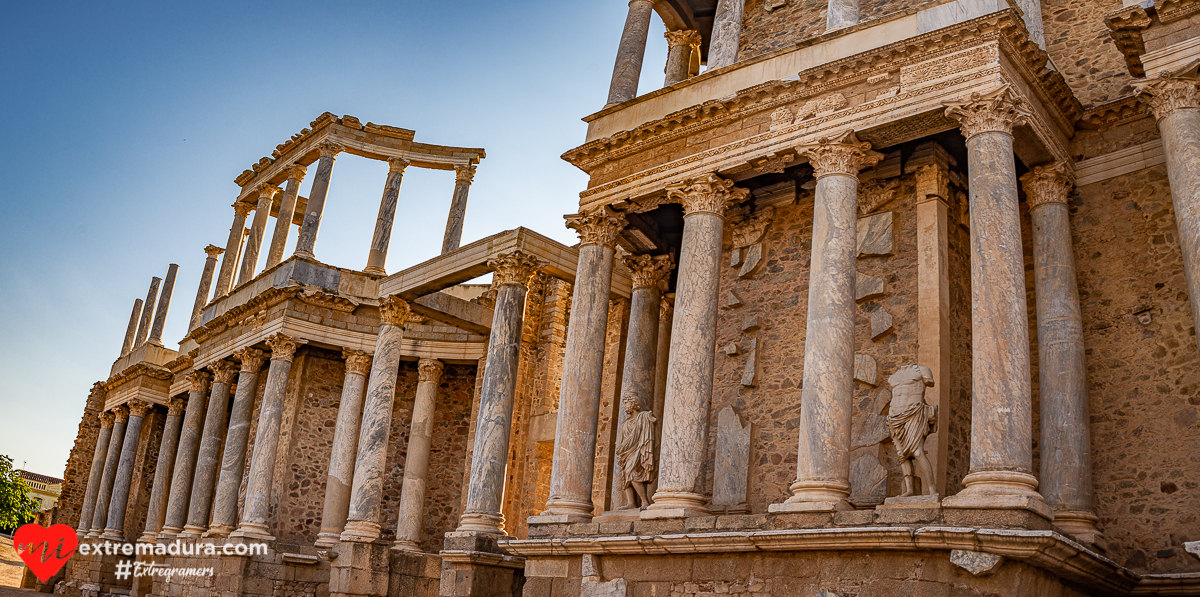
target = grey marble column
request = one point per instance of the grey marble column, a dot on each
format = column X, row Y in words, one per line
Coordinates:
column 463, row 175
column 266, row 441
column 111, row 459
column 164, row 305
column 211, row 438
column 283, row 217
column 185, row 456
column 258, row 230
column 95, row 474
column 841, row 14
column 726, row 33
column 579, row 399
column 631, row 52
column 489, row 458
column 366, row 493
column 233, row 459
column 377, row 258
column 693, row 346
column 131, row 330
column 1001, row 474
column 307, row 240
column 147, row 320
column 206, row 279
column 340, row 475
column 411, row 516
column 114, row 529
column 233, row 248
column 162, row 471
column 680, row 45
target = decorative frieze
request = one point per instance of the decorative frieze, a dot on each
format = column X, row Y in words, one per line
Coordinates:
column 599, row 227
column 706, row 194
column 997, row 111
column 1048, row 184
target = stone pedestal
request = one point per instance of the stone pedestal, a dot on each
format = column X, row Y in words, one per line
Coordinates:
column 345, row 445
column 473, row 565
column 147, row 320
column 307, row 239
column 95, row 473
column 410, row 517
column 266, row 196
column 164, row 305
column 463, row 175
column 115, row 525
column 630, row 53
column 162, row 470
column 211, row 438
column 233, row 459
column 360, row 570
column 233, row 248
column 285, row 214
column 377, row 258
column 185, row 456
column 111, row 459
column 680, row 45
column 206, row 278
column 726, row 33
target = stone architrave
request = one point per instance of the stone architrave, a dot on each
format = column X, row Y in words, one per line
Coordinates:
column 212, row 436
column 726, row 33
column 631, row 52
column 131, row 330
column 114, row 529
column 680, row 45
column 164, row 305
column 95, row 473
column 731, row 472
column 162, row 471
column 233, row 248
column 233, row 458
column 147, row 320
column 307, row 240
column 111, row 459
column 285, row 214
column 377, row 258
column 206, row 279
column 185, row 456
column 340, row 475
column 258, row 230
column 463, row 175
column 410, row 516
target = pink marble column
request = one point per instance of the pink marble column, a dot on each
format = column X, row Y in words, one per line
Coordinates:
column 162, row 471
column 96, row 473
column 307, row 241
column 340, row 476
column 237, row 437
column 387, row 216
column 283, row 217
column 233, row 248
column 206, row 278
column 410, row 517
column 631, row 52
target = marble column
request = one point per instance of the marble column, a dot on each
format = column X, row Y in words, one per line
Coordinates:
column 726, row 33
column 387, row 216
column 823, row 453
column 258, row 230
column 131, row 330
column 1175, row 102
column 211, row 438
column 206, row 279
column 579, row 399
column 693, row 346
column 111, row 459
column 366, row 493
column 233, row 459
column 416, row 461
column 1066, row 463
column 631, row 52
column 650, row 276
column 185, row 456
column 164, row 305
column 283, row 217
column 345, row 445
column 96, row 473
column 1001, row 474
column 147, row 320
column 666, row 314
column 114, row 529
column 680, row 45
column 266, row 441
column 162, row 471
column 489, row 458
column 307, row 240
column 233, row 248
column 463, row 175
column 840, row 14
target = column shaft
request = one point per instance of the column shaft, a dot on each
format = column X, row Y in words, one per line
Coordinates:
column 96, row 473
column 679, row 55
column 662, row 358
column 233, row 459
column 630, row 53
column 164, row 305
column 340, row 476
column 233, row 248
column 377, row 258
column 162, row 471
column 416, row 461
column 258, row 230
column 283, row 217
column 458, row 208
column 206, row 278
column 111, row 459
column 114, row 529
column 131, row 330
column 185, row 457
column 307, row 240
column 726, row 33
column 211, row 437
column 143, row 332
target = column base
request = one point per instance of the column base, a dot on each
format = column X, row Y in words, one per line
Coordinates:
column 1000, row 490
column 168, row 534
column 148, row 537
column 93, row 534
column 816, row 495
column 305, row 255
column 481, row 522
column 192, row 531
column 360, row 531
column 406, row 546
column 374, row 270
column 675, row 504
column 218, row 531
column 1079, row 524
column 113, row 535
column 578, row 509
column 327, row 540
column 253, row 530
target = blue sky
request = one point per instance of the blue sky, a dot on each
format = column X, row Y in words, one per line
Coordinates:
column 126, row 123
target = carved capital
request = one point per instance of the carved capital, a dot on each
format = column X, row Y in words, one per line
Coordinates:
column 176, row 407
column 666, row 308
column 1047, row 184
column 650, row 271
column 599, row 227
column 242, row 208
column 683, row 37
column 707, row 194
column 843, row 154
column 329, row 149
column 513, row 268
column 295, row 172
column 120, row 414
column 997, row 111
column 267, row 191
column 397, row 165
column 1167, row 94
column 283, row 348
column 393, row 311
column 106, row 419
column 357, row 361
column 213, row 251
column 429, row 370
column 223, row 372
column 139, row 408
column 252, row 359
column 198, row 381
column 464, row 174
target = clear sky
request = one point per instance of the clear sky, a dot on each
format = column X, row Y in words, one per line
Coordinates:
column 126, row 123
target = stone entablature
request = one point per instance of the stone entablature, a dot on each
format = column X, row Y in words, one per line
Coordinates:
column 1156, row 38
column 142, row 381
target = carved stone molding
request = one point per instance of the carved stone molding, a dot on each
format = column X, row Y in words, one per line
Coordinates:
column 464, row 174
column 650, row 271
column 397, row 164
column 514, row 267
column 296, row 172
column 139, row 408
column 876, row 193
column 106, row 419
column 600, row 227
column 198, row 381
column 283, row 348
column 252, row 359
column 683, row 37
column 1125, row 27
column 357, row 361
column 327, row 300
column 1168, row 94
column 1047, row 184
column 750, row 229
column 176, row 406
column 329, row 149
column 774, row 163
column 429, row 370
column 996, row 111
column 121, row 414
column 393, row 311
column 707, row 194
column 223, row 372
column 844, row 155
column 213, row 250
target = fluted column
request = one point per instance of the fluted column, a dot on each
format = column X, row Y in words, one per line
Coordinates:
column 387, row 216
column 680, row 45
column 233, row 248
column 111, row 460
column 114, row 529
column 416, row 459
column 164, row 305
column 340, row 476
column 579, row 399
column 233, row 459
column 283, row 217
column 726, row 33
column 162, row 471
column 693, row 345
column 1001, row 474
column 185, row 456
column 211, row 437
column 266, row 441
column 206, row 279
column 258, row 229
column 463, row 175
column 131, row 330
column 823, row 453
column 511, row 273
column 96, row 473
column 631, row 52
column 307, row 240
column 147, row 320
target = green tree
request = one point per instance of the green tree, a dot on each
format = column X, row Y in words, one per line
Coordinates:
column 16, row 507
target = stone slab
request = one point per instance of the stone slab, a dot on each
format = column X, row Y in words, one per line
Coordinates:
column 875, row 237
column 881, row 323
column 868, row 287
column 732, row 469
column 866, row 369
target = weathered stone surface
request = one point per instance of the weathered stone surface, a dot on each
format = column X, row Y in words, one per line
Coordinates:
column 868, row 287
column 977, row 563
column 875, row 235
column 866, row 369
column 732, row 460
column 732, row 300
column 869, row 429
column 750, row 367
column 881, row 323
column 754, row 258
column 750, row 324
column 731, row 349
column 630, row 53
column 868, row 481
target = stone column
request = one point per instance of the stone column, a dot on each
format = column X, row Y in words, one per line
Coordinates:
column 162, row 471
column 283, row 217
column 693, row 346
column 115, row 525
column 95, row 474
column 345, row 446
column 650, row 275
column 206, row 278
column 387, row 216
column 233, row 248
column 266, row 441
column 266, row 196
column 666, row 314
column 489, row 456
column 367, row 489
column 823, row 454
column 307, row 240
column 416, row 461
column 631, row 52
column 463, row 175
column 111, row 459
column 185, row 456
column 840, row 14
column 131, row 330
column 1001, row 473
column 579, row 400
column 680, row 45
column 1066, row 462
column 1175, row 102
column 164, row 305
column 726, row 33
column 211, row 437
column 233, row 460
column 143, row 332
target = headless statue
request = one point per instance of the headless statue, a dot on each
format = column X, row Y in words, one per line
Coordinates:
column 910, row 421
column 635, row 452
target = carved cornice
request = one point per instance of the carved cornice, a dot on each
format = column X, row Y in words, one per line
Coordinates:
column 120, row 414
column 252, row 359
column 650, row 271
column 706, row 194
column 139, row 408
column 329, row 301
column 1114, row 113
column 176, row 406
column 1167, row 94
column 1169, row 11
column 683, row 37
column 213, row 251
column 198, row 381
column 138, row 370
column 514, row 267
column 357, row 361
column 235, row 315
column 283, row 347
column 1125, row 27
column 844, row 155
column 329, row 149
column 106, row 419
column 600, row 227
column 1050, row 183
column 223, row 372
column 181, row 363
column 464, row 174
column 429, row 370
column 997, row 111
column 393, row 311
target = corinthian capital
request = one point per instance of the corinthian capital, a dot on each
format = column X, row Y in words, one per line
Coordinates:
column 121, row 414
column 223, row 372
column 992, row 112
column 283, row 348
column 514, row 267
column 650, row 271
column 600, row 227
column 683, row 37
column 106, row 419
column 242, row 208
column 707, row 194
column 176, row 406
column 329, row 149
column 213, row 251
column 198, row 381
column 843, row 154
column 139, row 408
column 397, row 165
column 1047, row 184
column 267, row 190
column 429, row 370
column 357, row 361
column 1168, row 94
column 393, row 311
column 296, row 172
column 464, row 174
column 251, row 358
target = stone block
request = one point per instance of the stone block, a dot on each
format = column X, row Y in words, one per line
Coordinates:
column 732, row 300
column 975, row 562
column 875, row 237
column 854, row 517
column 881, row 323
column 754, row 258
column 547, row 567
column 868, row 429
column 866, row 369
column 750, row 324
column 731, row 349
column 750, row 365
column 732, row 466
column 868, row 481
column 868, row 287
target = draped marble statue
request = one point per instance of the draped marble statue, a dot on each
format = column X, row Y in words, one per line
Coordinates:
column 910, row 421
column 635, row 452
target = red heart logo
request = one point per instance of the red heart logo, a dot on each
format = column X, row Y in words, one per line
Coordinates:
column 44, row 550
